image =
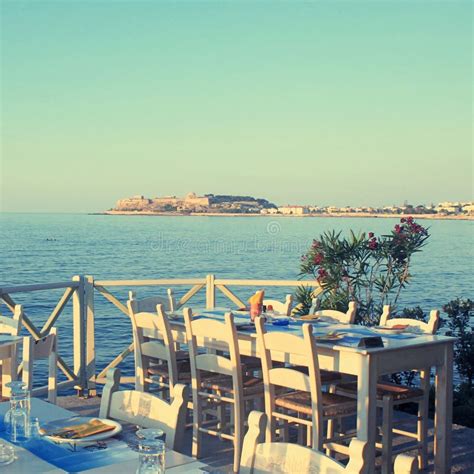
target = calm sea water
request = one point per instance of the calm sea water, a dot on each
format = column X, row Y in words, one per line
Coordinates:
column 44, row 248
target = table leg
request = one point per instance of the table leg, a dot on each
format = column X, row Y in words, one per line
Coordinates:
column 9, row 370
column 443, row 412
column 367, row 406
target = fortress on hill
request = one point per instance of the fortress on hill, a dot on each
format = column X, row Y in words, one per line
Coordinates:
column 193, row 203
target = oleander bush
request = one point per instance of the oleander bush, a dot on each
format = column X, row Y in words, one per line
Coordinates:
column 371, row 270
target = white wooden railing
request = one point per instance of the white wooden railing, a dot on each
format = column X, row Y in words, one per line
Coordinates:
column 83, row 289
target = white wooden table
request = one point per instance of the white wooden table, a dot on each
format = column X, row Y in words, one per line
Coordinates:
column 28, row 463
column 8, row 356
column 368, row 365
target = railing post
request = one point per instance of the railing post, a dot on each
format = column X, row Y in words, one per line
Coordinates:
column 210, row 292
column 90, row 334
column 79, row 333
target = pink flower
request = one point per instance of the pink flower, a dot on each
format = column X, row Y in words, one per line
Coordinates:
column 398, row 229
column 373, row 245
column 403, row 220
column 318, row 258
column 371, row 234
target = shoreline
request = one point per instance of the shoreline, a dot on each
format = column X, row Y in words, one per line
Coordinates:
column 324, row 215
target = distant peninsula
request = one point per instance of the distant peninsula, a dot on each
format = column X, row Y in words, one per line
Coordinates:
column 230, row 205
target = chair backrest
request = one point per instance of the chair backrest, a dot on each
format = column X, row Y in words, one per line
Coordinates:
column 149, row 304
column 44, row 348
column 261, row 457
column 428, row 328
column 153, row 339
column 199, row 331
column 146, row 410
column 279, row 307
column 12, row 325
column 277, row 342
column 345, row 318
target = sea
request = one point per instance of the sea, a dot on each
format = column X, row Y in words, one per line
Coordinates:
column 48, row 248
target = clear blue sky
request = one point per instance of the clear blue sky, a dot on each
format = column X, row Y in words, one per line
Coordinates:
column 326, row 102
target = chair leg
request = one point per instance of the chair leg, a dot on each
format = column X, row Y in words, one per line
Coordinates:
column 197, row 416
column 387, row 434
column 422, row 423
column 238, row 434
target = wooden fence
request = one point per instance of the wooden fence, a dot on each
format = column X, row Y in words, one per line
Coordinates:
column 83, row 289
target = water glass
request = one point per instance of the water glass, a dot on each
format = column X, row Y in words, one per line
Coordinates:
column 34, row 428
column 17, row 418
column 151, row 457
column 7, row 454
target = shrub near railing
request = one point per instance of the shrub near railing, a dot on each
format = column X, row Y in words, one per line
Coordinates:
column 371, row 270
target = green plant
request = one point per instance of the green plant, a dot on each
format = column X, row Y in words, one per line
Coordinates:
column 460, row 314
column 304, row 296
column 367, row 269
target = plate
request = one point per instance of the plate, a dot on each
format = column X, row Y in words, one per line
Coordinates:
column 309, row 317
column 58, row 424
column 392, row 330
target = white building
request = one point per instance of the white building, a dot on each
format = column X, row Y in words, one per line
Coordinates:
column 296, row 210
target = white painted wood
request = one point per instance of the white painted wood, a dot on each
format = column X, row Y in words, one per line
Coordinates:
column 268, row 344
column 198, row 332
column 345, row 318
column 265, row 457
column 79, row 334
column 145, row 409
column 34, row 350
column 210, row 291
column 8, row 358
column 12, row 325
column 28, row 463
column 405, row 465
column 90, row 333
column 148, row 305
column 443, row 411
column 421, row 434
column 281, row 307
column 429, row 327
column 153, row 341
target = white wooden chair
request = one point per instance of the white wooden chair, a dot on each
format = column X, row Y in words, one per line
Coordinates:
column 228, row 386
column 279, row 307
column 145, row 409
column 303, row 403
column 338, row 316
column 44, row 348
column 155, row 351
column 12, row 325
column 149, row 304
column 260, row 457
column 390, row 395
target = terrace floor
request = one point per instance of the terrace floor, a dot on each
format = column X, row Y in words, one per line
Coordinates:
column 218, row 454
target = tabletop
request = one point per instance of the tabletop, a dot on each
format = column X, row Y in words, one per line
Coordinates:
column 352, row 333
column 31, row 459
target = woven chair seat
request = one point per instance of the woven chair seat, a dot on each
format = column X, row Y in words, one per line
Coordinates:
column 161, row 369
column 397, row 392
column 223, row 383
column 333, row 405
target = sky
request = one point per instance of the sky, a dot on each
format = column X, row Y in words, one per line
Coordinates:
column 325, row 102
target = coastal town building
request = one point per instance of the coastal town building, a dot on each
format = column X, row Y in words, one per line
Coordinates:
column 296, row 210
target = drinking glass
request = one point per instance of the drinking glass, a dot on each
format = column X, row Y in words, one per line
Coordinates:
column 34, row 428
column 17, row 418
column 151, row 456
column 7, row 454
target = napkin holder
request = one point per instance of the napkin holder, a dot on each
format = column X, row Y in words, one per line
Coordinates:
column 370, row 342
